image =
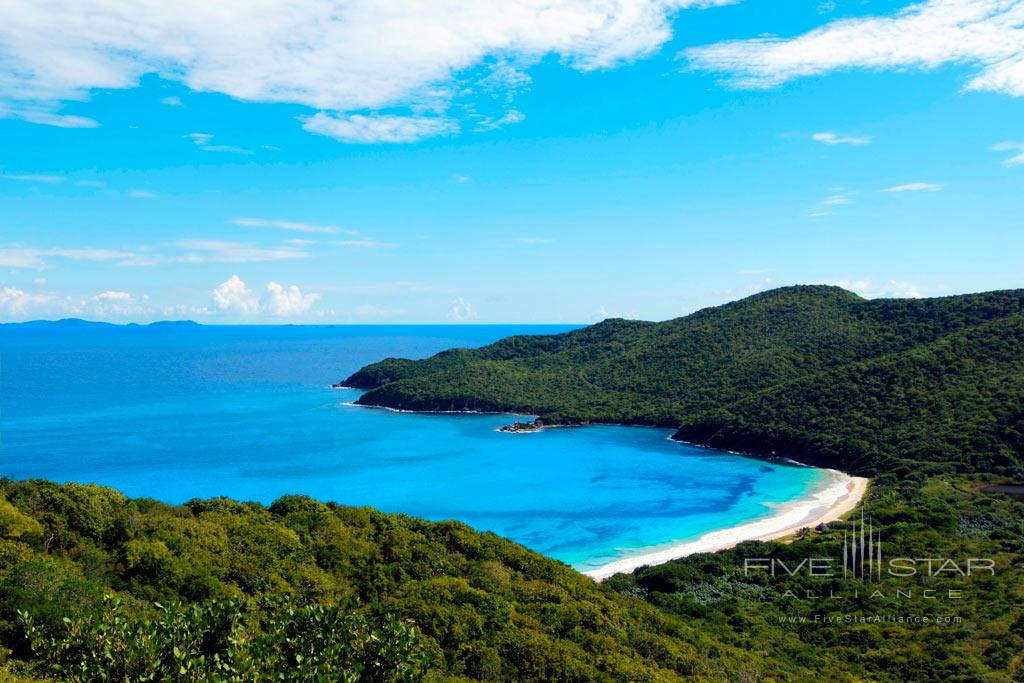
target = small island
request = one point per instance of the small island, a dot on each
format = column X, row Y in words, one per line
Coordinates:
column 523, row 427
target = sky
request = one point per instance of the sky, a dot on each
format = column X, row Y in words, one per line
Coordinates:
column 470, row 161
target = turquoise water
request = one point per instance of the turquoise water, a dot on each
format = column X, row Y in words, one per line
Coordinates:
column 247, row 412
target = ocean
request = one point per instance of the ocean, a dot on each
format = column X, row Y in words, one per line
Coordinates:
column 175, row 412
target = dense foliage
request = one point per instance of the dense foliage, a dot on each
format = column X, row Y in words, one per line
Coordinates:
column 974, row 634
column 96, row 586
column 814, row 372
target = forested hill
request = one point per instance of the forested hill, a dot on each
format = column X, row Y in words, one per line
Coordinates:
column 811, row 372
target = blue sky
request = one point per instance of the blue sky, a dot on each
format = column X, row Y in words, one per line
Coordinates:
column 502, row 162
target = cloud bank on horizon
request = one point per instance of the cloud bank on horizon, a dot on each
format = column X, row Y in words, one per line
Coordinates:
column 401, row 71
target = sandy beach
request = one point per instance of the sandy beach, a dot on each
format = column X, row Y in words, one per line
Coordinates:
column 840, row 496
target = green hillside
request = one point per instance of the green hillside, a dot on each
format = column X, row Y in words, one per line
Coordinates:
column 812, row 372
column 220, row 590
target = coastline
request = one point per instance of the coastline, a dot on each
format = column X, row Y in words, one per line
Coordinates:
column 828, row 504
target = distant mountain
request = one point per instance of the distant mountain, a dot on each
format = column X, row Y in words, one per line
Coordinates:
column 79, row 323
column 814, row 373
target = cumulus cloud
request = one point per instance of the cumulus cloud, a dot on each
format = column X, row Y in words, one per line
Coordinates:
column 286, row 301
column 836, row 139
column 461, row 310
column 16, row 302
column 116, row 303
column 233, row 295
column 352, row 62
column 986, row 35
column 914, row 187
column 1016, row 150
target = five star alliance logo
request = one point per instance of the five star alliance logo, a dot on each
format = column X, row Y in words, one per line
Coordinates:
column 860, row 559
column 862, row 550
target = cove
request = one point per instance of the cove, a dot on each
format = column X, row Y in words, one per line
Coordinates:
column 175, row 413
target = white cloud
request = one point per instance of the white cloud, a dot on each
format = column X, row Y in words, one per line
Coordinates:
column 233, row 295
column 343, row 59
column 378, row 127
column 287, row 301
column 461, row 310
column 45, row 118
column 33, row 178
column 914, row 187
column 173, row 101
column 115, row 303
column 184, row 251
column 836, row 139
column 204, row 141
column 16, row 302
column 112, row 295
column 460, row 179
column 141, row 194
column 510, row 117
column 987, row 35
column 886, row 290
column 1017, row 150
column 288, row 225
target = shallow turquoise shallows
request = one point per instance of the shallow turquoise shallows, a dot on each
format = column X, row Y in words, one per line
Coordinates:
column 175, row 413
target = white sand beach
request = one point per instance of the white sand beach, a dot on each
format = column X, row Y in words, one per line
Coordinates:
column 837, row 498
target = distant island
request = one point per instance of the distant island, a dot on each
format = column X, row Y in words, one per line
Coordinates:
column 77, row 323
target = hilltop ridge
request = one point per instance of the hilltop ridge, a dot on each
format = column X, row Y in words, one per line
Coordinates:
column 813, row 372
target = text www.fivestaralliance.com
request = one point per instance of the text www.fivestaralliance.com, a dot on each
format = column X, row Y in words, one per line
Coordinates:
column 843, row 619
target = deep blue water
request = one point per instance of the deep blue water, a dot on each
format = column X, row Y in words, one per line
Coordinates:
column 247, row 412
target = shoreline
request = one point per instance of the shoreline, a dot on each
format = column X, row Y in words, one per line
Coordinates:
column 828, row 504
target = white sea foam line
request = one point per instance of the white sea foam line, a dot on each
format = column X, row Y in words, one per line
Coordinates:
column 789, row 515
